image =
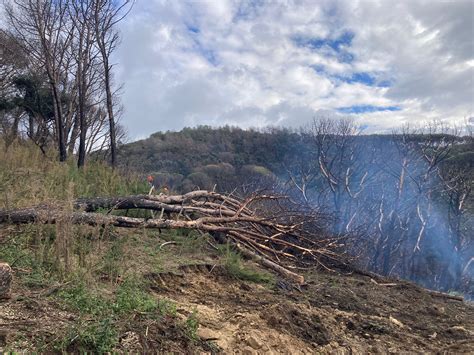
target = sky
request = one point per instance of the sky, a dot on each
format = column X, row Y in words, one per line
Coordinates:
column 283, row 63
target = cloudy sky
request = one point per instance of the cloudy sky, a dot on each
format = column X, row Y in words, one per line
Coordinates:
column 281, row 63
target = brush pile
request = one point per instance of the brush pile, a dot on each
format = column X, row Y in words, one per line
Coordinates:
column 268, row 228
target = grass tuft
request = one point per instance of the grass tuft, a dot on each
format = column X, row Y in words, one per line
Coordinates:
column 233, row 265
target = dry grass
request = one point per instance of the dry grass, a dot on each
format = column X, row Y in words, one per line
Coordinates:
column 27, row 177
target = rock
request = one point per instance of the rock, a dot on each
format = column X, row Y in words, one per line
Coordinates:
column 396, row 322
column 249, row 351
column 459, row 330
column 207, row 334
column 254, row 342
column 6, row 276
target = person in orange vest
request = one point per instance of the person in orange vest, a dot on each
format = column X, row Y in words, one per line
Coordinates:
column 151, row 182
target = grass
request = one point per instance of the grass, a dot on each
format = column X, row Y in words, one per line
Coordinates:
column 28, row 177
column 234, row 266
column 192, row 325
column 98, row 271
column 98, row 327
column 89, row 336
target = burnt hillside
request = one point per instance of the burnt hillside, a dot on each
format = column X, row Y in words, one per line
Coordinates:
column 405, row 199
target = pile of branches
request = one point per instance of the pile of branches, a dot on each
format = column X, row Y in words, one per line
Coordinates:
column 268, row 228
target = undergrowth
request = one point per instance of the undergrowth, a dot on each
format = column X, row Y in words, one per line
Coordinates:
column 28, row 177
column 98, row 327
column 235, row 268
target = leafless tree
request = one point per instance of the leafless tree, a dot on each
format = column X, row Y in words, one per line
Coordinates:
column 43, row 28
column 107, row 14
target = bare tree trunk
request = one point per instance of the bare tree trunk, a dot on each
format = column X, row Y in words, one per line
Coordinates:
column 58, row 117
column 107, row 14
column 110, row 112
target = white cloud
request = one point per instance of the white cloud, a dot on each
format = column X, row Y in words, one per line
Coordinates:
column 240, row 62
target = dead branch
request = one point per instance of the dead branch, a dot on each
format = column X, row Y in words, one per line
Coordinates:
column 259, row 227
column 445, row 295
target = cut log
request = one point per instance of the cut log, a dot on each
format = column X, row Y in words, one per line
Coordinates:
column 445, row 295
column 276, row 236
column 6, row 277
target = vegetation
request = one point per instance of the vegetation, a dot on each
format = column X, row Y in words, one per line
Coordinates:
column 83, row 268
column 409, row 216
column 233, row 265
column 57, row 87
column 97, row 274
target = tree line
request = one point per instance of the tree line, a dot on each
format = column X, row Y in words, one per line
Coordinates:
column 56, row 75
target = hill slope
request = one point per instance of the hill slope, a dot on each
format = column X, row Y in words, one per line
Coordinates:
column 102, row 289
column 217, row 310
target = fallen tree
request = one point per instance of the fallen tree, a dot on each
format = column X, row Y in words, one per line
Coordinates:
column 267, row 228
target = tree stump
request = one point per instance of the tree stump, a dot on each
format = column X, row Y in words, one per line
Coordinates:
column 5, row 280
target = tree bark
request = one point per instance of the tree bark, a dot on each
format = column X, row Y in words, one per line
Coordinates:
column 6, row 277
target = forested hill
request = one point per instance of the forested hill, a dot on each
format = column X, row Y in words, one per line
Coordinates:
column 197, row 153
column 204, row 156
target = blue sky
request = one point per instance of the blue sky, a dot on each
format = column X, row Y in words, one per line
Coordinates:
column 282, row 63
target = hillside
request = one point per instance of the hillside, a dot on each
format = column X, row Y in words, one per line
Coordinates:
column 195, row 299
column 407, row 199
column 80, row 288
column 207, row 156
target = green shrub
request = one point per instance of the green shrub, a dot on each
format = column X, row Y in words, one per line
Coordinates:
column 191, row 325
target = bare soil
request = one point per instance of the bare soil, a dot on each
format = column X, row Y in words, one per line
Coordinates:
column 333, row 313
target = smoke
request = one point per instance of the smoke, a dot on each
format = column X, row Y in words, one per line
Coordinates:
column 390, row 193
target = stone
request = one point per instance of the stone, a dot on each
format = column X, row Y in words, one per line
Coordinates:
column 249, row 351
column 396, row 322
column 207, row 334
column 254, row 342
column 439, row 309
column 460, row 330
column 6, row 276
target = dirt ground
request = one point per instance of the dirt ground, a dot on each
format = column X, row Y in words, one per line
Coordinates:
column 333, row 313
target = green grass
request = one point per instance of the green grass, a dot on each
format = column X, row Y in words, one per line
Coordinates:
column 97, row 330
column 235, row 268
column 96, row 336
column 129, row 297
column 191, row 325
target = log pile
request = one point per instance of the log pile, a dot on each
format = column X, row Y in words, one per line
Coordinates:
column 267, row 228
